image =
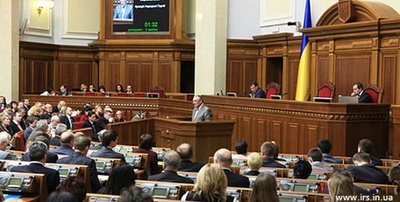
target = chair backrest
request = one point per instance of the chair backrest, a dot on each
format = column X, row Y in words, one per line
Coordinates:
column 122, row 95
column 158, row 90
column 139, row 94
column 375, row 92
column 327, row 89
column 272, row 88
column 89, row 94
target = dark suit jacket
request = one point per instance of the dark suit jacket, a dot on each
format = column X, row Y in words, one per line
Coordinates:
column 260, row 93
column 268, row 162
column 106, row 152
column 170, row 176
column 101, row 123
column 189, row 166
column 79, row 159
column 364, row 98
column 63, row 150
column 64, row 120
column 94, row 127
column 252, row 172
column 204, row 114
column 27, row 132
column 151, row 158
column 51, row 157
column 368, row 173
column 375, row 161
column 330, row 159
column 14, row 128
column 56, row 141
column 235, row 180
column 52, row 176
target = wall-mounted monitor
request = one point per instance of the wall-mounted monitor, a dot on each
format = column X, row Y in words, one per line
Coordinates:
column 322, row 99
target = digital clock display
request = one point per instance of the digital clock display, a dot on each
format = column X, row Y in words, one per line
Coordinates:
column 147, row 16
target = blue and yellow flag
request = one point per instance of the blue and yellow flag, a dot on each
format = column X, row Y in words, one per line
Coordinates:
column 303, row 77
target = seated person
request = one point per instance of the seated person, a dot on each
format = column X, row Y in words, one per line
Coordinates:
column 59, row 129
column 74, row 185
column 210, row 185
column 256, row 91
column 316, row 160
column 241, row 149
column 61, row 196
column 254, row 161
column 109, row 141
column 50, row 156
column 171, row 164
column 38, row 154
column 267, row 150
column 4, row 140
column 358, row 90
column 302, row 169
column 340, row 185
column 185, row 151
column 365, row 145
column 265, row 188
column 121, row 176
column 136, row 194
column 366, row 172
column 97, row 146
column 276, row 153
column 146, row 141
column 91, row 123
column 394, row 176
column 345, row 172
column 67, row 143
column 325, row 146
column 223, row 157
column 81, row 144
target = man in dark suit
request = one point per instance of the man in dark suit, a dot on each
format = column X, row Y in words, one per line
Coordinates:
column 109, row 141
column 325, row 146
column 15, row 123
column 185, row 151
column 365, row 145
column 358, row 90
column 223, row 157
column 64, row 91
column 104, row 120
column 67, row 118
column 171, row 165
column 38, row 154
column 82, row 144
column 366, row 172
column 346, row 173
column 268, row 151
column 91, row 123
column 31, row 121
column 67, row 142
column 256, row 91
column 50, row 156
column 200, row 112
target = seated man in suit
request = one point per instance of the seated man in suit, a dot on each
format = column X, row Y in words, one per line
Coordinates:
column 79, row 157
column 67, row 143
column 104, row 120
column 366, row 172
column 50, row 156
column 241, row 149
column 38, row 154
column 41, row 129
column 267, row 150
column 185, row 151
column 109, row 141
column 67, row 118
column 223, row 157
column 325, row 146
column 200, row 112
column 358, row 90
column 32, row 122
column 302, row 169
column 91, row 123
column 15, row 123
column 171, row 164
column 365, row 145
column 256, row 91
column 56, row 139
column 3, row 145
column 316, row 160
column 146, row 142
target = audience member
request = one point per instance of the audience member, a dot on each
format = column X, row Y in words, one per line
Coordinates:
column 211, row 184
column 345, row 172
column 185, row 151
column 67, row 118
column 102, row 89
column 200, row 111
column 276, row 153
column 119, row 88
column 41, row 129
column 81, row 144
column 97, row 146
column 146, row 142
column 121, row 176
column 109, row 141
column 35, row 111
column 140, row 115
column 56, row 139
column 4, row 141
column 74, row 185
column 267, row 150
column 92, row 88
column 340, row 185
column 104, row 120
column 254, row 161
column 38, row 154
column 57, row 109
column 241, row 149
column 48, row 110
column 316, row 160
column 32, row 122
column 24, row 116
column 366, row 172
column 50, row 156
column 325, row 146
column 54, row 121
column 5, row 124
column 67, row 143
column 256, row 91
column 7, row 111
column 15, row 123
column 3, row 102
column 394, row 176
column 26, row 104
column 365, row 145
column 135, row 194
column 264, row 189
column 61, row 196
column 223, row 157
column 129, row 89
column 119, row 117
column 83, row 87
column 302, row 169
column 91, row 123
column 358, row 90
column 85, row 115
column 171, row 164
column 77, row 112
column 64, row 91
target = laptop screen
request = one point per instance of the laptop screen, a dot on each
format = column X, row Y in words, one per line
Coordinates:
column 347, row 99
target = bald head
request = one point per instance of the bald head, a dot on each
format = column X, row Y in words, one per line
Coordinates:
column 223, row 157
column 67, row 138
column 172, row 160
column 185, row 151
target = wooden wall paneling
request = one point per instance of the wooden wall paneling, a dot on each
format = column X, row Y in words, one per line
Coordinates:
column 388, row 77
column 274, row 70
column 276, row 131
column 234, row 76
column 245, row 126
column 165, row 76
column 84, row 73
column 67, row 73
column 261, row 129
column 292, row 138
column 235, row 132
column 113, row 75
column 293, row 70
column 146, row 77
column 322, row 72
column 311, row 136
column 249, row 73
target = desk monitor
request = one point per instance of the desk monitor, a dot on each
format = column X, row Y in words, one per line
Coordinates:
column 347, row 99
column 160, row 192
column 322, row 99
column 231, row 94
column 301, row 187
column 153, row 95
column 276, row 97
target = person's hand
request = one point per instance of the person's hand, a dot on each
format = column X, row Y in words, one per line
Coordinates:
column 353, row 94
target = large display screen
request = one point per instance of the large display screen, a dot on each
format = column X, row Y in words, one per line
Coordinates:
column 141, row 16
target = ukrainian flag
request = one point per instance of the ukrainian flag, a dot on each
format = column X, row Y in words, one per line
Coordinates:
column 303, row 77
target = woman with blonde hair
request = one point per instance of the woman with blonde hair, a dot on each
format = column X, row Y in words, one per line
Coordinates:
column 264, row 189
column 210, row 185
column 254, row 161
column 340, row 185
column 35, row 111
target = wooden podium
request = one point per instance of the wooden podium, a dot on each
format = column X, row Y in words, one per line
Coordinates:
column 205, row 137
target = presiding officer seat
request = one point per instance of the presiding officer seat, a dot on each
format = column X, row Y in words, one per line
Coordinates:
column 327, row 90
column 375, row 92
column 272, row 88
